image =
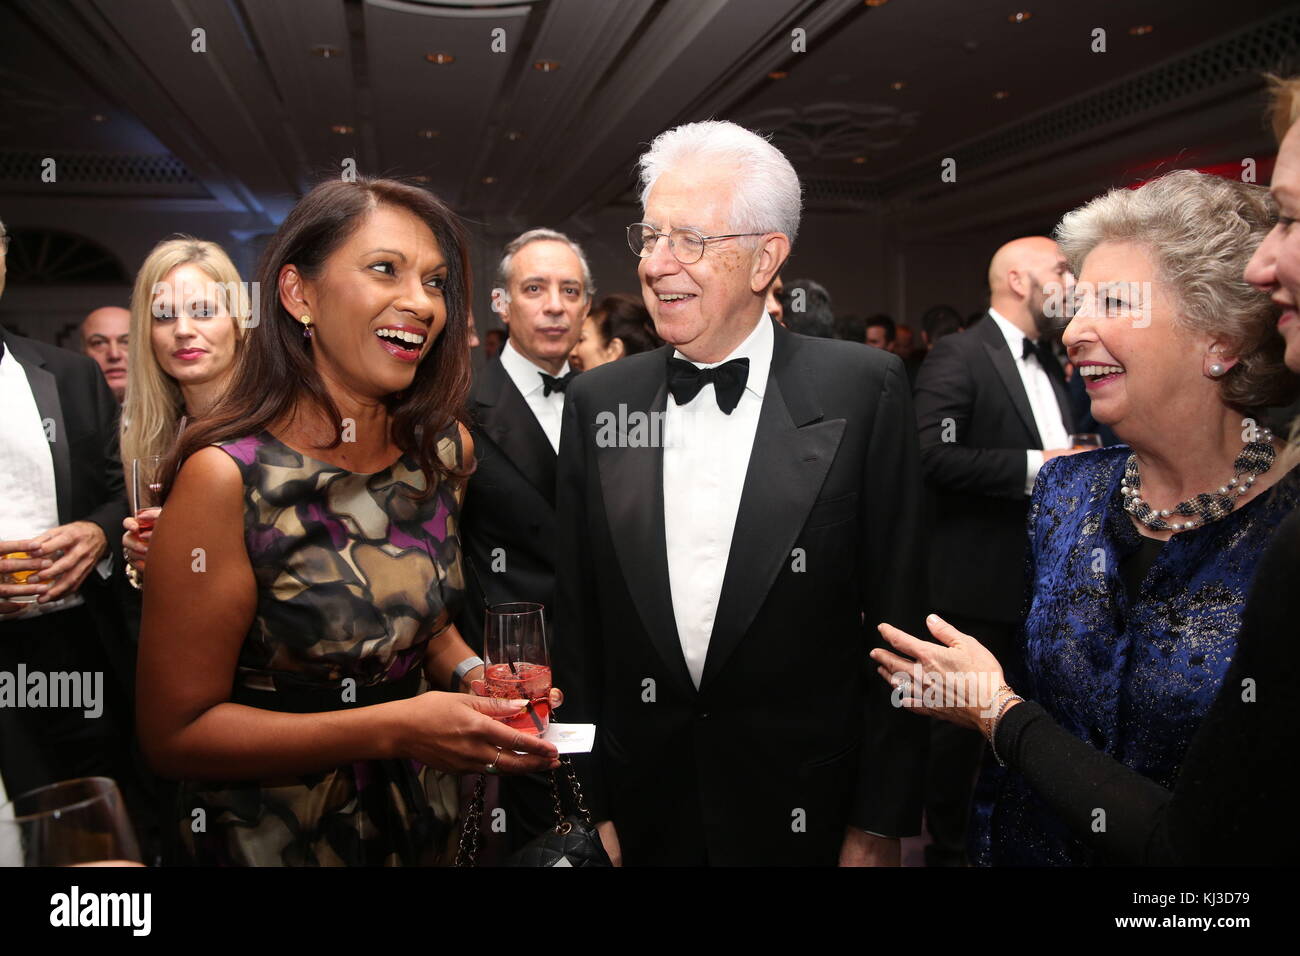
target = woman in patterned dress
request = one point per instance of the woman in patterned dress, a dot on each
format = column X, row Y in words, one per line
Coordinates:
column 297, row 647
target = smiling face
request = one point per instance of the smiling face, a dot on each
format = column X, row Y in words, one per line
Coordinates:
column 547, row 302
column 708, row 307
column 1142, row 370
column 192, row 332
column 1275, row 266
column 377, row 305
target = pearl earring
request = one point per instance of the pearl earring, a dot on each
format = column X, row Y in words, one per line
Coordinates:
column 1216, row 370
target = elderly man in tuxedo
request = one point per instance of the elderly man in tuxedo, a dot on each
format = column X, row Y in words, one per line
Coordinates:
column 61, row 503
column 543, row 290
column 992, row 406
column 737, row 510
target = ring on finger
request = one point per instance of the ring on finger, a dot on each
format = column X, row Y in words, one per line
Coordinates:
column 492, row 767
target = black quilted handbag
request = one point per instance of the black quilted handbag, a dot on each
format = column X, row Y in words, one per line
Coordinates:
column 572, row 842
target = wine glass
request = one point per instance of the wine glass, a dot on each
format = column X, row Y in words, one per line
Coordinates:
column 516, row 663
column 1085, row 440
column 80, row 822
column 146, row 492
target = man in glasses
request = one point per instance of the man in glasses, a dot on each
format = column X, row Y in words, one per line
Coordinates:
column 736, row 513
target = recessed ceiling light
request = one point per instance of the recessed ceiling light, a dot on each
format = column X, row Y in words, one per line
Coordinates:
column 1020, row 16
column 514, row 136
column 342, row 129
column 859, row 159
column 1001, row 95
column 427, row 134
column 897, row 85
column 325, row 51
column 441, row 59
column 546, row 66
column 489, row 180
column 1141, row 31
column 777, row 75
column 97, row 118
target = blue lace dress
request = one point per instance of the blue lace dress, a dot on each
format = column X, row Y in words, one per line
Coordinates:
column 1133, row 679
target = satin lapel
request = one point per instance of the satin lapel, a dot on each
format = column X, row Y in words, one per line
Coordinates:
column 45, row 390
column 631, row 481
column 1000, row 354
column 506, row 418
column 793, row 451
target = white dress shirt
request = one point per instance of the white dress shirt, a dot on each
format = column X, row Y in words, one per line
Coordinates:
column 547, row 409
column 706, row 457
column 1042, row 398
column 29, row 504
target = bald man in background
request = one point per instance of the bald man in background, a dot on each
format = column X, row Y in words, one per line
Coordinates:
column 104, row 335
column 992, row 406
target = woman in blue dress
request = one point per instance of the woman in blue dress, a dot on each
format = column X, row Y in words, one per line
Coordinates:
column 1141, row 555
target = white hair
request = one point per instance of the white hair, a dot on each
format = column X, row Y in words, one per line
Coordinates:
column 540, row 235
column 766, row 196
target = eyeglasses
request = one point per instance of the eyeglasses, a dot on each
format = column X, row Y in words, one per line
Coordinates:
column 686, row 245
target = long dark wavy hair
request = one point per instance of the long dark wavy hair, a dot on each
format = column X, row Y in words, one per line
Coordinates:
column 276, row 378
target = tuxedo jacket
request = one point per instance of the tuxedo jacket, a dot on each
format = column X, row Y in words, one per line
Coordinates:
column 975, row 425
column 508, row 516
column 791, row 735
column 72, row 396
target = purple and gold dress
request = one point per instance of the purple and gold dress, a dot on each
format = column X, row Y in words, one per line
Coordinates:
column 354, row 575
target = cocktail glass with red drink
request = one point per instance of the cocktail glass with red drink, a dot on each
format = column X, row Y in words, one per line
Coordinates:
column 516, row 663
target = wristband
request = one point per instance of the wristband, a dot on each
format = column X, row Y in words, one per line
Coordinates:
column 463, row 668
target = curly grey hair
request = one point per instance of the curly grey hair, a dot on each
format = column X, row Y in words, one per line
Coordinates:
column 1200, row 231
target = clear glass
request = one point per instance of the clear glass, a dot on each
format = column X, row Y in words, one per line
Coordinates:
column 79, row 822
column 146, row 492
column 517, row 665
column 1085, row 440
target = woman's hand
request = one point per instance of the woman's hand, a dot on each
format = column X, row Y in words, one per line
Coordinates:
column 457, row 733
column 954, row 680
column 135, row 543
column 478, row 687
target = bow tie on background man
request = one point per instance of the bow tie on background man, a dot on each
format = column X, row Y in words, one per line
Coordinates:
column 685, row 381
column 552, row 384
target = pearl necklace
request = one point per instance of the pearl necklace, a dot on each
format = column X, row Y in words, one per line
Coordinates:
column 1256, row 458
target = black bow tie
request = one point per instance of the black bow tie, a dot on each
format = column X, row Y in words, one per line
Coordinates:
column 685, row 381
column 552, row 384
column 1031, row 349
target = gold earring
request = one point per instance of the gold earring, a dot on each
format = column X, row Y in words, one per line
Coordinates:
column 306, row 326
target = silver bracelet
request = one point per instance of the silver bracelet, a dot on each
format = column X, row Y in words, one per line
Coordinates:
column 993, row 727
column 463, row 668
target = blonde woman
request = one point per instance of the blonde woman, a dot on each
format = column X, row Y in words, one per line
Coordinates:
column 189, row 312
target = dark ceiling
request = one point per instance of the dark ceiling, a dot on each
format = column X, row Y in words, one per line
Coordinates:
column 540, row 108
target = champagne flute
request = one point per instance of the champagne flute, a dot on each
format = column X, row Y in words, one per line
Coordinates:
column 516, row 663
column 80, row 822
column 146, row 492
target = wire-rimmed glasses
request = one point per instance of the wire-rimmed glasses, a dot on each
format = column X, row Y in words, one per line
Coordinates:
column 686, row 245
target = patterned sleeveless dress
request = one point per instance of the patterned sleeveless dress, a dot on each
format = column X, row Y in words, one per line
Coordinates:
column 354, row 576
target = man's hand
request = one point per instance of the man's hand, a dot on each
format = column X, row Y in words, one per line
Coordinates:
column 9, row 566
column 861, row 848
column 82, row 543
column 609, row 837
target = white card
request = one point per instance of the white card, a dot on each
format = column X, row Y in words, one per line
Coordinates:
column 571, row 738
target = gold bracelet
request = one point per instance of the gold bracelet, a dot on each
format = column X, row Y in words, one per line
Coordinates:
column 132, row 575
